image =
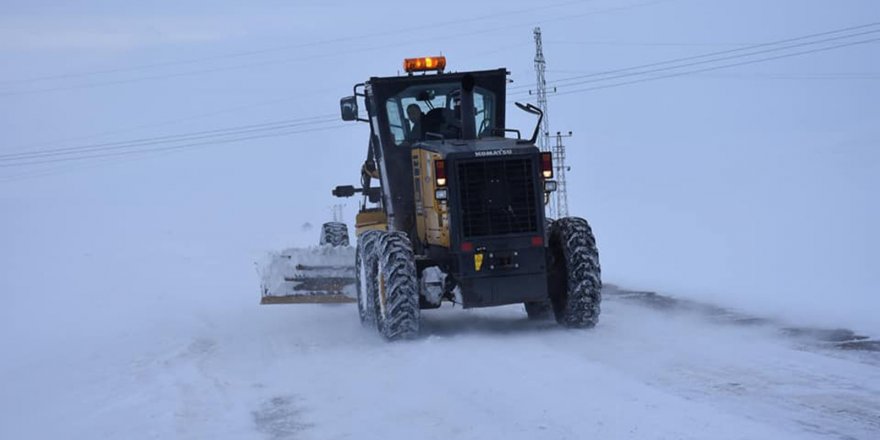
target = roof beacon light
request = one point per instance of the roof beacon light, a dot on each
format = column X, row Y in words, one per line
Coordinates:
column 424, row 64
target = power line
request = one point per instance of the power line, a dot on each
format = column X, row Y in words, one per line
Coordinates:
column 235, row 133
column 176, row 120
column 128, row 158
column 292, row 46
column 772, row 76
column 797, row 76
column 714, row 60
column 274, row 125
column 712, row 54
column 724, row 66
column 646, row 44
column 601, row 77
column 316, row 56
column 167, row 148
column 282, row 128
column 161, row 123
column 231, row 139
column 66, row 168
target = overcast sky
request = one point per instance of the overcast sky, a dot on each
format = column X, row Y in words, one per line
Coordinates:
column 753, row 185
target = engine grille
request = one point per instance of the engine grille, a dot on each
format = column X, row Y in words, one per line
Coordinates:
column 497, row 197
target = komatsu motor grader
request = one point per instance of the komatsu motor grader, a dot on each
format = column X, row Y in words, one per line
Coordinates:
column 452, row 210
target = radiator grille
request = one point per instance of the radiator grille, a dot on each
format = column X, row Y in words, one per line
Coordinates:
column 497, row 197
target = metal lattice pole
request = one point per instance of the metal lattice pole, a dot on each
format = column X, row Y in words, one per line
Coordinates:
column 541, row 92
column 559, row 172
column 337, row 213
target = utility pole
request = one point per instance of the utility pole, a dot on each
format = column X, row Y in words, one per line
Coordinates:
column 559, row 173
column 541, row 92
column 558, row 206
column 337, row 213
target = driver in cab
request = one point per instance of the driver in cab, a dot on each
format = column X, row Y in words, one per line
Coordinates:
column 415, row 115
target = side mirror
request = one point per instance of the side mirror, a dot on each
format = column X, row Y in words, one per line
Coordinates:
column 528, row 108
column 531, row 109
column 349, row 108
column 344, row 191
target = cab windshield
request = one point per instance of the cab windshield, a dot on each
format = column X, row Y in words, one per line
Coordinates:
column 426, row 111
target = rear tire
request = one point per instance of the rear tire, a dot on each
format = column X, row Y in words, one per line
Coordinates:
column 396, row 300
column 575, row 277
column 334, row 234
column 366, row 260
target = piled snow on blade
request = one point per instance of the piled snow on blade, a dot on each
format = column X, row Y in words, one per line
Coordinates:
column 320, row 274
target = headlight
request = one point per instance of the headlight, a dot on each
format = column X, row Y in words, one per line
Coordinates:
column 441, row 193
column 549, row 186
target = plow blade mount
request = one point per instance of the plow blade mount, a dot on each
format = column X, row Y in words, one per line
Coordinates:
column 318, row 275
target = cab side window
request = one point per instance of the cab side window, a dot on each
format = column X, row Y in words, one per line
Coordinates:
column 484, row 104
column 395, row 123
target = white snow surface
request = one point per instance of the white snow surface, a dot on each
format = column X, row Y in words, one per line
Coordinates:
column 313, row 372
column 167, row 353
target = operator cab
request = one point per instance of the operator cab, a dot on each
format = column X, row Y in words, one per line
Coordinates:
column 406, row 109
column 433, row 111
column 428, row 109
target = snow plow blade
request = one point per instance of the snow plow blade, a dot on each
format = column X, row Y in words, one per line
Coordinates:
column 319, row 275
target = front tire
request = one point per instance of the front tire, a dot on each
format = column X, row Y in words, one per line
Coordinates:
column 575, row 277
column 366, row 261
column 396, row 300
column 334, row 234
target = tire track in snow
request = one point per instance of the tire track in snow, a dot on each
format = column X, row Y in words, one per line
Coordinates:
column 840, row 338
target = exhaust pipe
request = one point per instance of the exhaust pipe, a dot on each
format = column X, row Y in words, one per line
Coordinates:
column 468, row 125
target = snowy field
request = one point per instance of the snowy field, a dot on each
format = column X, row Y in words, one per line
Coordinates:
column 192, row 355
column 312, row 372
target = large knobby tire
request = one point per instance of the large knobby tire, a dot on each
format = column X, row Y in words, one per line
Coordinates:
column 575, row 277
column 334, row 234
column 397, row 288
column 366, row 263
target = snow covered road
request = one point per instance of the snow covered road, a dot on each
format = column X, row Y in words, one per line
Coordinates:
column 312, row 372
column 152, row 153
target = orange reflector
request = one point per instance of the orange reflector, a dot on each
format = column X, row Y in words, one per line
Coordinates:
column 424, row 64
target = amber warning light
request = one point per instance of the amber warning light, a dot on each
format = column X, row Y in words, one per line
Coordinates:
column 424, row 64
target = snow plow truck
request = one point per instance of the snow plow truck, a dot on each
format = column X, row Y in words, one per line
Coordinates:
column 452, row 210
